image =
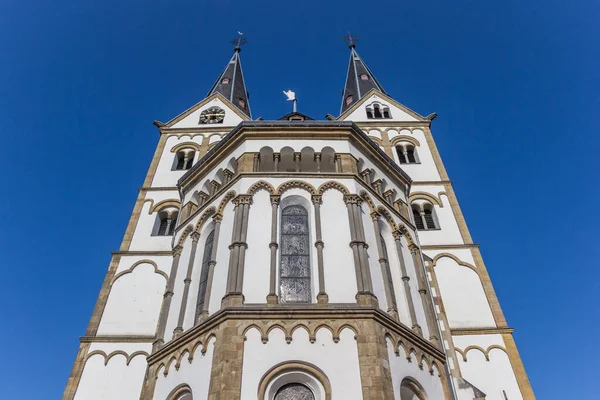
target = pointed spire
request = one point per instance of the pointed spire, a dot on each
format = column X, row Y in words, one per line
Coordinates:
column 360, row 80
column 231, row 81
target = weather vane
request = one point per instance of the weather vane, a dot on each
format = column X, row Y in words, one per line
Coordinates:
column 351, row 40
column 291, row 96
column 239, row 41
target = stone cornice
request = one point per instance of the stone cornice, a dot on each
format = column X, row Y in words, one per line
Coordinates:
column 142, row 253
column 480, row 331
column 117, row 339
column 346, row 312
column 448, row 246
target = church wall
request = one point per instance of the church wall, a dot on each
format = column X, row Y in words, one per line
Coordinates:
column 338, row 361
column 220, row 273
column 194, row 373
column 373, row 256
column 191, row 121
column 165, row 176
column 142, row 237
column 492, row 376
column 178, row 289
column 113, row 371
column 340, row 276
column 401, row 368
column 258, row 254
column 135, row 297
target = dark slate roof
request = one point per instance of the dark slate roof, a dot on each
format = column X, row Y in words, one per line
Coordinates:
column 355, row 86
column 235, row 90
column 287, row 117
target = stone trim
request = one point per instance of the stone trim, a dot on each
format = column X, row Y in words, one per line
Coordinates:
column 293, row 365
column 117, row 339
column 480, row 331
column 133, row 220
column 518, row 368
column 76, row 372
column 489, row 289
column 103, row 297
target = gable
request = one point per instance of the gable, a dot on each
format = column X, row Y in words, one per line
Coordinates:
column 191, row 117
column 398, row 112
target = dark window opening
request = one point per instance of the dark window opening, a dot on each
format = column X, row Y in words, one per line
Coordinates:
column 349, row 100
column 225, row 81
column 418, row 220
column 369, row 113
column 377, row 111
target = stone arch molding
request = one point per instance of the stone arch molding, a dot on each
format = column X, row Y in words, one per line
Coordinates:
column 136, row 264
column 486, row 352
column 435, row 200
column 387, row 216
column 401, row 346
column 405, row 139
column 296, row 184
column 107, row 357
column 312, row 328
column 161, row 205
column 190, row 350
column 294, row 366
column 456, row 259
column 185, row 145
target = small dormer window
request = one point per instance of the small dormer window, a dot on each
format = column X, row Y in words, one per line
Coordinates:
column 364, row 77
column 242, row 103
column 349, row 99
column 225, row 81
column 378, row 111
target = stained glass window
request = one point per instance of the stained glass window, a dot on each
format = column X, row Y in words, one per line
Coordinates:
column 294, row 271
column 208, row 247
column 294, row 391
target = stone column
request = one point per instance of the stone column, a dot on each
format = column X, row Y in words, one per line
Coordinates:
column 235, row 277
column 166, row 305
column 425, row 298
column 365, row 294
column 276, row 156
column 186, row 285
column 376, row 377
column 203, row 314
column 297, row 161
column 385, row 269
column 255, row 163
column 322, row 297
column 318, row 160
column 273, row 246
column 405, row 280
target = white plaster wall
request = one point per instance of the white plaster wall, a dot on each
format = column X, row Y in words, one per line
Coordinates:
column 401, row 368
column 426, row 169
column 414, row 287
column 116, row 379
column 338, row 361
column 396, row 272
column 164, row 176
column 134, row 302
column 448, row 232
column 173, row 316
column 360, row 114
column 221, row 268
column 491, row 377
column 195, row 374
column 192, row 121
column 462, row 293
column 258, row 254
column 338, row 262
column 373, row 257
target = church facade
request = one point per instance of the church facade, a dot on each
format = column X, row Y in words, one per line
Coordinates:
column 297, row 259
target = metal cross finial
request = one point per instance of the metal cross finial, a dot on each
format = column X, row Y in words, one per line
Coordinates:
column 351, row 40
column 239, row 41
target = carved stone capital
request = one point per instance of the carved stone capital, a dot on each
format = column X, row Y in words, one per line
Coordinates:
column 243, row 199
column 317, row 199
column 352, row 199
column 413, row 248
column 375, row 215
column 275, row 199
column 397, row 235
column 177, row 250
column 217, row 218
column 195, row 236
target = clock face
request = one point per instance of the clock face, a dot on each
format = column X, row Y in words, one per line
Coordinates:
column 212, row 115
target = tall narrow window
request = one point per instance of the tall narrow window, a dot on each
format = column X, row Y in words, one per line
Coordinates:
column 429, row 218
column 369, row 113
column 410, row 155
column 294, row 391
column 386, row 113
column 294, row 271
column 184, row 160
column 377, row 111
column 417, row 217
column 208, row 248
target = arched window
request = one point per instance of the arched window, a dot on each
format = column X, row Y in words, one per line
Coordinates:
column 386, row 113
column 294, row 273
column 183, row 160
column 411, row 390
column 369, row 113
column 377, row 111
column 349, row 99
column 208, row 248
column 182, row 392
column 225, row 81
column 425, row 218
column 165, row 223
column 242, row 103
column 294, row 391
column 364, row 77
column 407, row 154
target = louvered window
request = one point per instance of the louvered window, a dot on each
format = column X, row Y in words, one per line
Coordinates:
column 429, row 220
column 184, row 160
column 377, row 111
column 208, row 248
column 386, row 113
column 417, row 217
column 369, row 113
column 295, row 256
column 401, row 156
column 294, row 391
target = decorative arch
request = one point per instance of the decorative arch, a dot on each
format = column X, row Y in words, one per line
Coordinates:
column 414, row 386
column 485, row 352
column 367, row 199
column 107, row 358
column 425, row 196
column 295, row 184
column 332, row 185
column 388, row 217
column 162, row 204
column 130, row 270
column 290, row 366
column 256, row 186
column 230, row 195
column 186, row 232
column 186, row 145
column 179, row 391
column 456, row 259
column 404, row 138
column 203, row 218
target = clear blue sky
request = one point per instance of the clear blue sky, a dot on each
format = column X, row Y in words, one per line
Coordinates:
column 515, row 84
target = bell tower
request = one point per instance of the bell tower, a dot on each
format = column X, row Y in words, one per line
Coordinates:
column 297, row 259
